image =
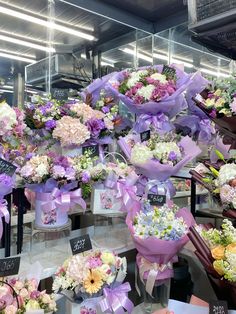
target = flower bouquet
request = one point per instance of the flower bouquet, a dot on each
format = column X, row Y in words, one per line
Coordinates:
column 216, row 249
column 12, row 124
column 218, row 102
column 159, row 157
column 53, row 179
column 22, row 296
column 91, row 275
column 158, row 234
column 152, row 90
column 219, row 179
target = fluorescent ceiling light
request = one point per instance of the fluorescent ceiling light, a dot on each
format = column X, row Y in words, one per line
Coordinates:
column 106, row 63
column 159, row 56
column 214, row 73
column 7, row 86
column 139, row 55
column 14, row 57
column 25, row 43
column 6, row 91
column 51, row 25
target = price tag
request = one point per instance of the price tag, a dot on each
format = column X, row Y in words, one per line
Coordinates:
column 218, row 307
column 80, row 244
column 93, row 150
column 169, row 72
column 145, row 136
column 6, row 167
column 156, row 200
column 60, row 94
column 9, row 266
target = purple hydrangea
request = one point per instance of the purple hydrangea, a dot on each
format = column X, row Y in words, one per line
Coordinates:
column 172, row 156
column 50, row 124
column 95, row 126
column 85, row 177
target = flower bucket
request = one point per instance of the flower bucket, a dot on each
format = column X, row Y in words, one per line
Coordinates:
column 47, row 214
column 88, row 306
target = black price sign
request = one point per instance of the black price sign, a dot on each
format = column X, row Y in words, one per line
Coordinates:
column 6, row 167
column 93, row 150
column 145, row 136
column 169, row 72
column 218, row 307
column 60, row 94
column 9, row 266
column 156, row 200
column 80, row 244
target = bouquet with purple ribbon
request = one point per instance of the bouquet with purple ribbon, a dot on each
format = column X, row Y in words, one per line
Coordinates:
column 159, row 122
column 158, row 235
column 152, row 90
column 160, row 157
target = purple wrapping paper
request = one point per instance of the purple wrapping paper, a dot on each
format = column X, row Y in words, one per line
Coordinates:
column 160, row 123
column 198, row 83
column 95, row 88
column 160, row 251
column 153, row 169
column 170, row 105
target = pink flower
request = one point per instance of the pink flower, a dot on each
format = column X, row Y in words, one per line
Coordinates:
column 10, row 309
column 227, row 193
column 94, row 262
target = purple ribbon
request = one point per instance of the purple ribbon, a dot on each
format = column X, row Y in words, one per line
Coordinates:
column 160, row 188
column 116, row 300
column 159, row 121
column 206, row 131
column 4, row 213
column 127, row 194
column 60, row 199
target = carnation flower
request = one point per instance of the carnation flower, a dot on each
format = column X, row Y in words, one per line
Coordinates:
column 70, row 131
column 146, row 91
column 227, row 193
column 95, row 126
column 160, row 77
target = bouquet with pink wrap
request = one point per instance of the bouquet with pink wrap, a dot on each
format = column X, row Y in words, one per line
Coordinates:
column 159, row 157
column 158, row 235
column 152, row 90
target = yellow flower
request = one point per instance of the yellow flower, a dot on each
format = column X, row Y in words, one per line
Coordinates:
column 231, row 248
column 217, row 92
column 219, row 267
column 218, row 252
column 219, row 103
column 93, row 283
column 210, row 102
column 108, row 258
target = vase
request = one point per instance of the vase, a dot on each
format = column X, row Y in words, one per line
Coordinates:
column 46, row 214
column 159, row 299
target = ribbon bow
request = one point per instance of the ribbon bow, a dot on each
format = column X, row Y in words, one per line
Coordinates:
column 161, row 188
column 127, row 194
column 63, row 200
column 4, row 213
column 116, row 300
column 159, row 121
column 153, row 270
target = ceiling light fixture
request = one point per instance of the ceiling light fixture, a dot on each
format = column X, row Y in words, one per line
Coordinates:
column 25, row 43
column 14, row 57
column 214, row 73
column 51, row 25
column 6, row 91
column 7, row 86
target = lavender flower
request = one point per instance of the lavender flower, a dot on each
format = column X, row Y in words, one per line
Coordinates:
column 85, row 177
column 95, row 126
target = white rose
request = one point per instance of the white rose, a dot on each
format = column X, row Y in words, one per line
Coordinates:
column 146, row 91
column 46, row 299
column 160, row 77
column 42, row 170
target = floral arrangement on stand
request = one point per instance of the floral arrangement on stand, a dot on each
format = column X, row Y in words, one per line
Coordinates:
column 220, row 180
column 20, row 296
column 158, row 234
column 93, row 277
column 216, row 249
column 152, row 90
column 53, row 179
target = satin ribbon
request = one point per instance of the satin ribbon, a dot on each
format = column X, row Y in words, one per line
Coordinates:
column 153, row 270
column 116, row 300
column 159, row 121
column 161, row 188
column 4, row 213
column 127, row 194
column 59, row 199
